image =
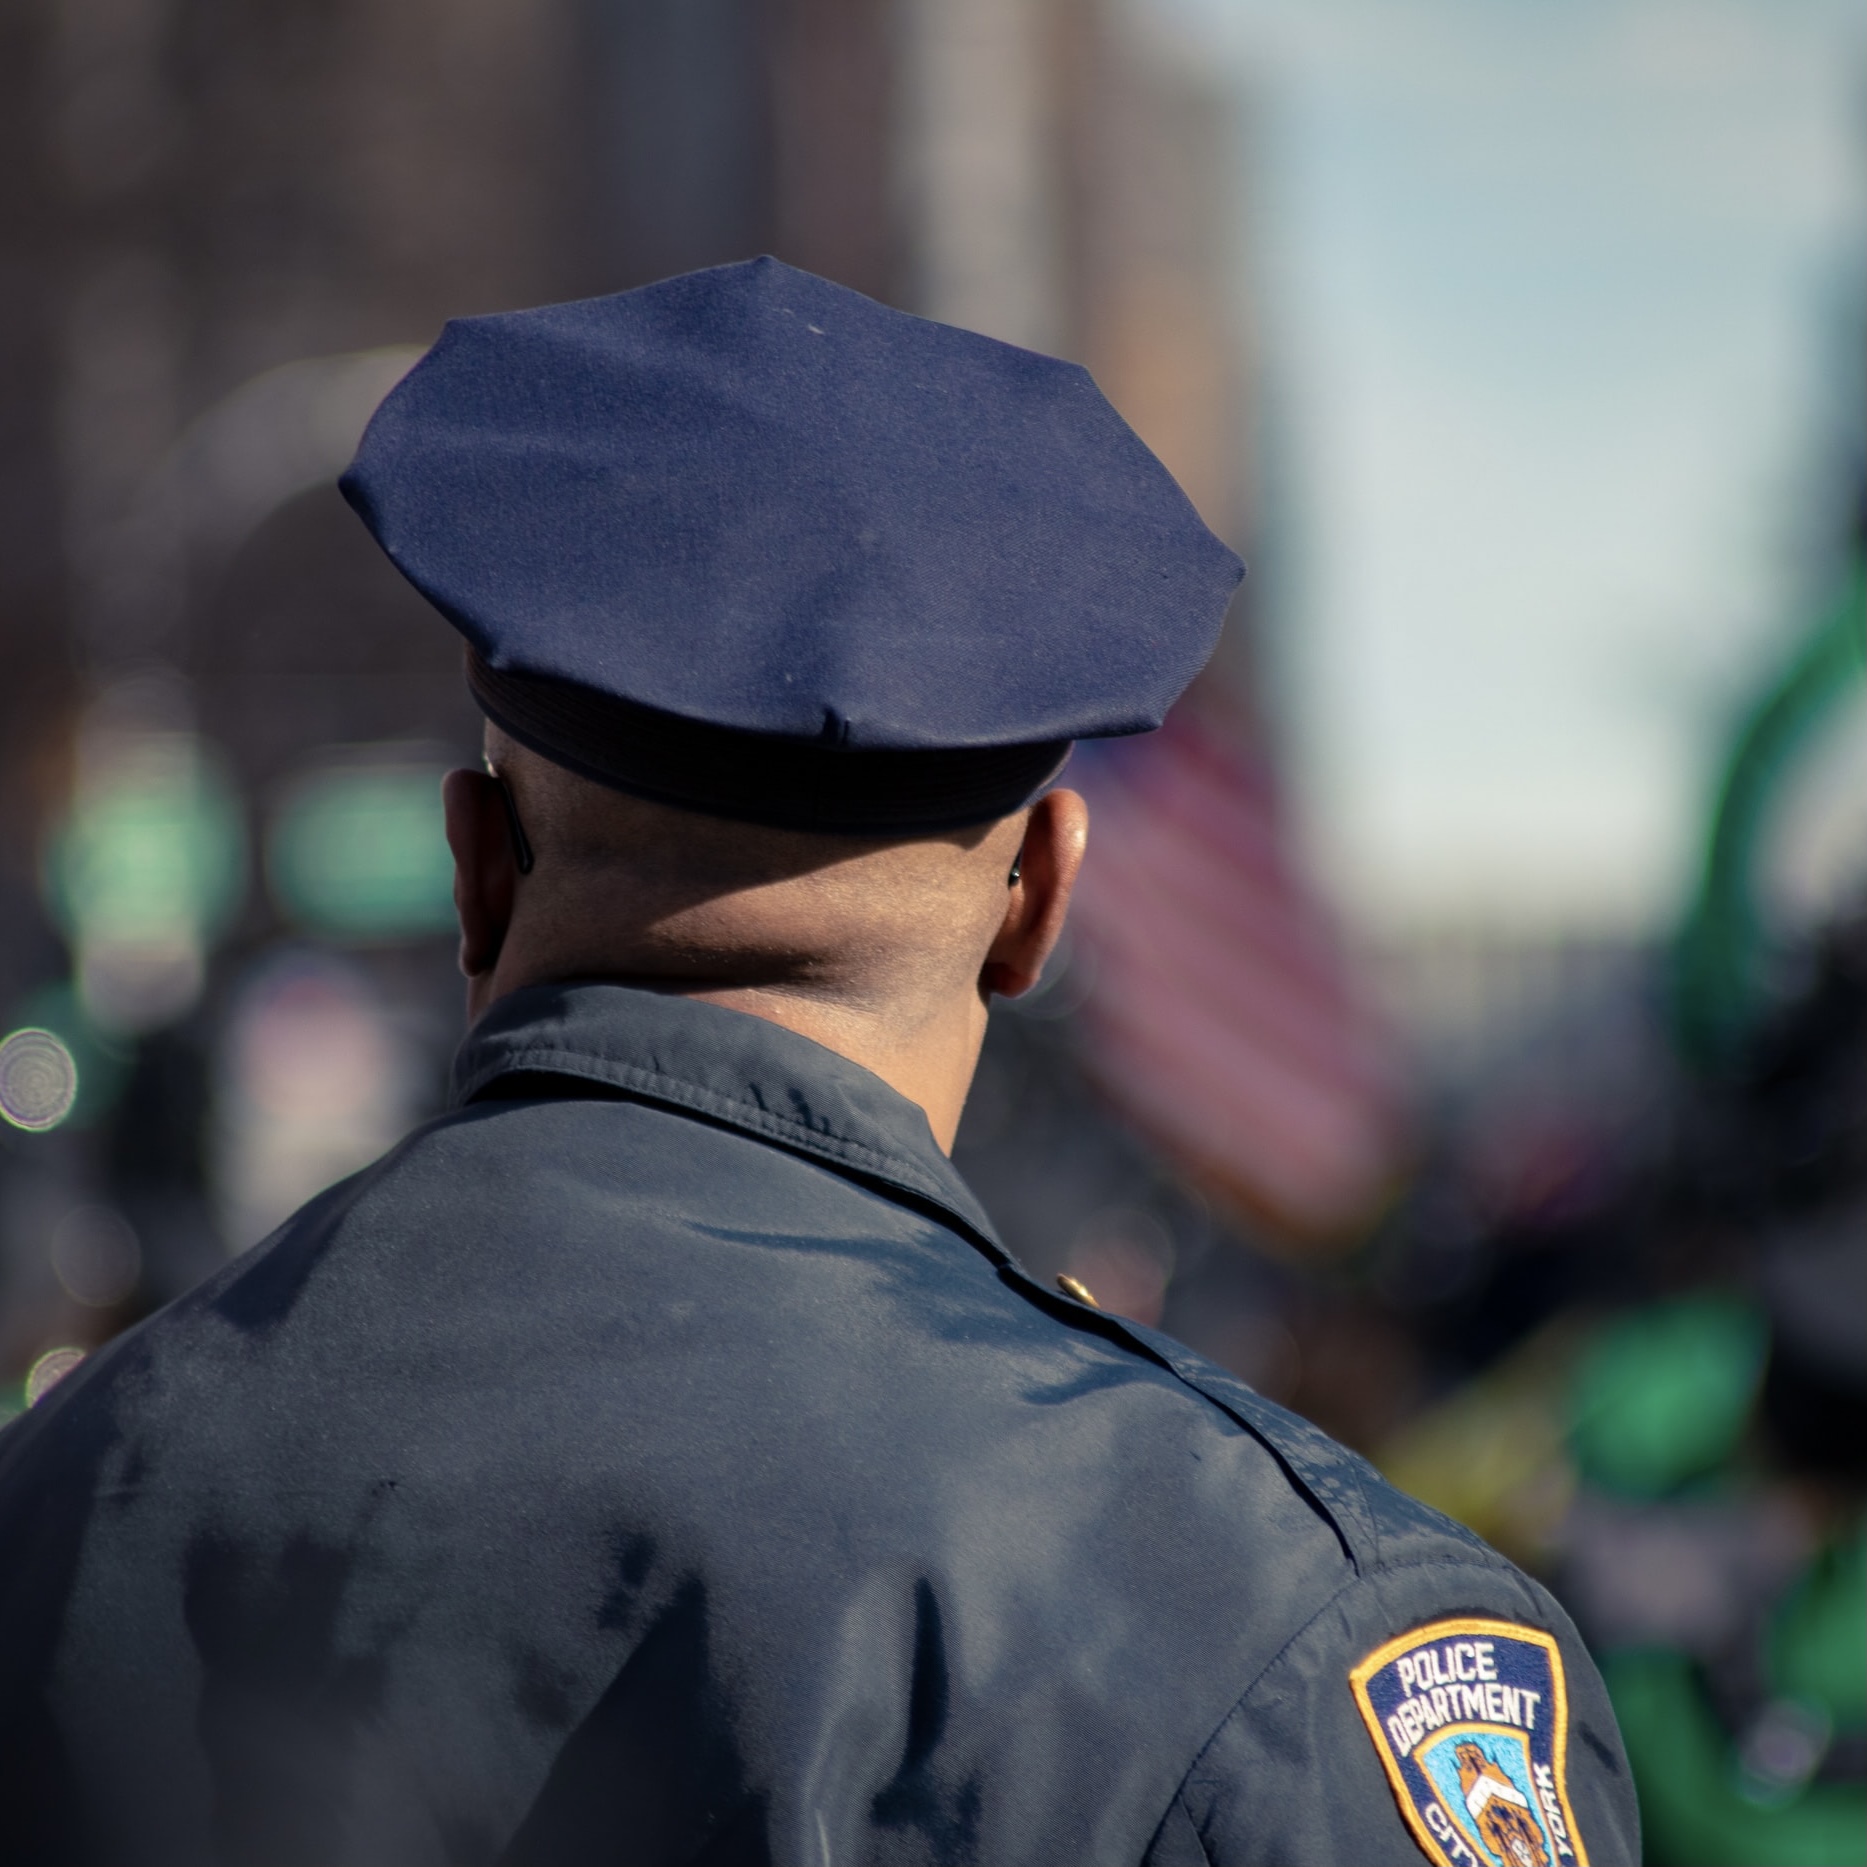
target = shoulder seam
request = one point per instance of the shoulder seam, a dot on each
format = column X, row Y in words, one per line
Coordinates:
column 1351, row 1517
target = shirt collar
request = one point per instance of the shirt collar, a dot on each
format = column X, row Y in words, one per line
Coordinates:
column 729, row 1066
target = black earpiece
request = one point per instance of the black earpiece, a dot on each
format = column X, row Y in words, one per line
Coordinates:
column 1016, row 875
column 521, row 843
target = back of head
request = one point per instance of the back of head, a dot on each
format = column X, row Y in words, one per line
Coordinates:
column 625, row 887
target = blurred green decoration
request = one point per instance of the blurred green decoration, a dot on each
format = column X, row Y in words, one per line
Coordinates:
column 1650, row 1405
column 1663, row 1394
column 1818, row 1641
column 1773, row 1796
column 1640, row 1405
column 153, row 850
column 360, row 854
column 1720, row 959
column 146, row 871
column 102, row 1061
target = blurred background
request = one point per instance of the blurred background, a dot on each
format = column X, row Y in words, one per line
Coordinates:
column 1463, row 1030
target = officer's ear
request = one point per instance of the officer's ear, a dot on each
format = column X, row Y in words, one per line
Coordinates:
column 1041, row 881
column 486, row 865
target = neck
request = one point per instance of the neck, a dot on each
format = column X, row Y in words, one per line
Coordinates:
column 932, row 1067
column 930, row 1062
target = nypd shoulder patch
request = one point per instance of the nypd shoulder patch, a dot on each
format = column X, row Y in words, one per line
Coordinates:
column 1471, row 1720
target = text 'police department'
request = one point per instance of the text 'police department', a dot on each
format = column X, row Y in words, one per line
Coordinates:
column 1456, row 1680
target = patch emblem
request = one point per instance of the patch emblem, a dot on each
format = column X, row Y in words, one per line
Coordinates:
column 1471, row 1720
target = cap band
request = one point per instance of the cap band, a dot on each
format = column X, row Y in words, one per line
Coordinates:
column 757, row 777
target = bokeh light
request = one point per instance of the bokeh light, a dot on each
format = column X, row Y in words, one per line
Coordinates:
column 96, row 1256
column 38, row 1080
column 103, row 1060
column 315, row 1079
column 1125, row 1258
column 49, row 1370
column 149, row 865
column 360, row 853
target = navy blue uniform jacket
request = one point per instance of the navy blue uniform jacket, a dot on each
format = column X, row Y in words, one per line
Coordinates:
column 656, row 1459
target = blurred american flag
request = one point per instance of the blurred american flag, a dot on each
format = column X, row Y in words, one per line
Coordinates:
column 1222, row 1015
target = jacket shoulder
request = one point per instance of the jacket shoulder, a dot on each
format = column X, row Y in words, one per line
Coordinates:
column 1419, row 1581
column 1379, row 1526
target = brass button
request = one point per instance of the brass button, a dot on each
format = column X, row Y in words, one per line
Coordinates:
column 1074, row 1287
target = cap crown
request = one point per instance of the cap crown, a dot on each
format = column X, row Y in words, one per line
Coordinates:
column 752, row 498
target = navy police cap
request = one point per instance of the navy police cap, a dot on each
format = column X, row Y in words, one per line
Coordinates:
column 751, row 543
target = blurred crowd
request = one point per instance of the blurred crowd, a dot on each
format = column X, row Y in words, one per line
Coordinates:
column 1594, row 1281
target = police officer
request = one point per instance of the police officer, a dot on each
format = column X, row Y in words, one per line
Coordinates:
column 656, row 1458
